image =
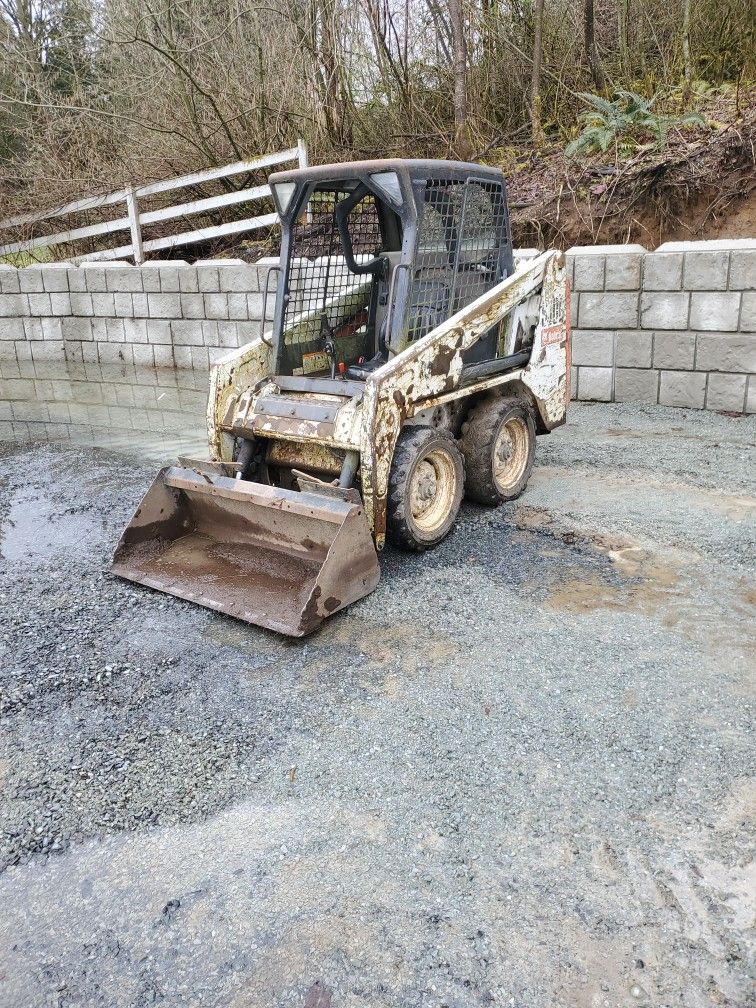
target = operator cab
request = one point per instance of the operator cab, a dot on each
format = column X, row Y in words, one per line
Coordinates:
column 376, row 254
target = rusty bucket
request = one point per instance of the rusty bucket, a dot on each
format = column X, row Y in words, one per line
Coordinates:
column 282, row 559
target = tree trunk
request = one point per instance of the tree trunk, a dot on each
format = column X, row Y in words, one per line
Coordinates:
column 687, row 67
column 623, row 47
column 462, row 145
column 535, row 84
column 597, row 74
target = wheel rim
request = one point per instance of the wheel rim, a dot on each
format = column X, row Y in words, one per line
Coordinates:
column 510, row 453
column 432, row 491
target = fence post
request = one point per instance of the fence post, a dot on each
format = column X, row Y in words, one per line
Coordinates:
column 136, row 231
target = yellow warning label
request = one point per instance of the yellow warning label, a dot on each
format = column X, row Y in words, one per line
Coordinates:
column 317, row 361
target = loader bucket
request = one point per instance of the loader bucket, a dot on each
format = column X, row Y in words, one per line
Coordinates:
column 279, row 558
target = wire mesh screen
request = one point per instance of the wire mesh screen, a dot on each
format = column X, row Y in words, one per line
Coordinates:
column 462, row 237
column 326, row 299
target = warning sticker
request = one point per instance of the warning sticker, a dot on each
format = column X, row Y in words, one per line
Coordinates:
column 552, row 334
column 317, row 361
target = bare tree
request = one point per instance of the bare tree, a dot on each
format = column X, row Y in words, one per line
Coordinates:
column 589, row 35
column 459, row 57
column 535, row 79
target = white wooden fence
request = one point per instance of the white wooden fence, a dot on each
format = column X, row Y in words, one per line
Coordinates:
column 135, row 219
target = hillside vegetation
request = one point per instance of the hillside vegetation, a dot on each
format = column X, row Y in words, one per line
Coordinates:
column 614, row 119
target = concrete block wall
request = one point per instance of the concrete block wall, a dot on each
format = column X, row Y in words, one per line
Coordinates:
column 163, row 314
column 676, row 326
column 101, row 403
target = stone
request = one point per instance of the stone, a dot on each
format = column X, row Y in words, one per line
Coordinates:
column 38, row 305
column 81, row 304
column 593, row 347
column 187, row 333
column 255, row 305
column 714, row 311
column 103, row 305
column 664, row 310
column 15, row 305
column 748, row 312
column 77, row 280
column 207, row 279
column 9, row 282
column 135, row 330
column 12, row 329
column 60, row 304
column 588, row 272
column 682, row 388
column 55, row 279
column 751, row 396
column 237, row 306
column 163, row 356
column 30, row 280
column 216, row 306
column 188, row 280
column 706, row 271
column 662, row 271
column 192, row 306
column 726, row 392
column 143, row 355
column 731, row 352
column 123, row 305
column 674, row 350
column 743, row 270
column 238, row 278
column 633, row 349
column 167, row 306
column 608, row 310
column 595, row 384
column 126, row 279
column 636, row 385
column 159, row 332
column 79, row 329
column 623, row 271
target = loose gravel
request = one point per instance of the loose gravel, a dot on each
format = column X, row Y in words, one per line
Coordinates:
column 517, row 774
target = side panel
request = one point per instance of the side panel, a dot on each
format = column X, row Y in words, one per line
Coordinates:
column 234, row 374
column 431, row 369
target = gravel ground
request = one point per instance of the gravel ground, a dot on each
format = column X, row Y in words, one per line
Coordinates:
column 517, row 774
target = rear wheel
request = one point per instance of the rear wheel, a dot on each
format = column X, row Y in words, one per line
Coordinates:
column 498, row 443
column 425, row 488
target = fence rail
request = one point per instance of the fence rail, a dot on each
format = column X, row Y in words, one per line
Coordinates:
column 135, row 219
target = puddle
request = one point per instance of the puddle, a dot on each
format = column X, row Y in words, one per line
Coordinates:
column 30, row 529
column 153, row 414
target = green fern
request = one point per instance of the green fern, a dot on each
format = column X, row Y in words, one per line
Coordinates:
column 624, row 122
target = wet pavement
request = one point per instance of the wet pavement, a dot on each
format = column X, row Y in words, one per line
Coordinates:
column 520, row 773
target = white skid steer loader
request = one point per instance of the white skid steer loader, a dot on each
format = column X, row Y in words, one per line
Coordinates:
column 411, row 361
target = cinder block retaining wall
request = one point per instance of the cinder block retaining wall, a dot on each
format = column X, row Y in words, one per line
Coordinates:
column 676, row 326
column 165, row 314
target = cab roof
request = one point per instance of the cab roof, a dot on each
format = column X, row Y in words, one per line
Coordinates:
column 413, row 168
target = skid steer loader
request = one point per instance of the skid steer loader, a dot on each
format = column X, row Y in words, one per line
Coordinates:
column 411, row 360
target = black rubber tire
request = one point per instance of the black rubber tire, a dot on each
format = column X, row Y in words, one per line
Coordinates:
column 479, row 436
column 416, row 444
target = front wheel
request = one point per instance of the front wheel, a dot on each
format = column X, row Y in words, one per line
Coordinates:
column 425, row 488
column 498, row 443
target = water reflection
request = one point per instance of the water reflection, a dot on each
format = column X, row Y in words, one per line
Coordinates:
column 153, row 413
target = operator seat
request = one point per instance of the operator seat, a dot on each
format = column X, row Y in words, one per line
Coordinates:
column 430, row 307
